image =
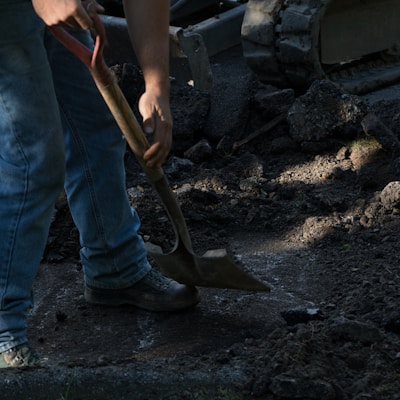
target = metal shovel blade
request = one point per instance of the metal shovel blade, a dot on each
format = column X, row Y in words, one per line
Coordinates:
column 213, row 269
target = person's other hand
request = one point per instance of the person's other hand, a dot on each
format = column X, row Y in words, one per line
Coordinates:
column 157, row 123
column 68, row 13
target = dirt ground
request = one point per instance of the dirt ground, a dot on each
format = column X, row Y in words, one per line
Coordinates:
column 313, row 219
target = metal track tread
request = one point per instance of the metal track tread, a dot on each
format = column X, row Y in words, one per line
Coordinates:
column 281, row 44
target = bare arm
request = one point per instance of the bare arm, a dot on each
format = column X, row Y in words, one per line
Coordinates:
column 148, row 22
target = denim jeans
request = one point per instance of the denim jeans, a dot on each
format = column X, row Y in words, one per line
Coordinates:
column 55, row 131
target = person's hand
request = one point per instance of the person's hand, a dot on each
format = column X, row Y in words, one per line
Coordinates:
column 68, row 13
column 157, row 123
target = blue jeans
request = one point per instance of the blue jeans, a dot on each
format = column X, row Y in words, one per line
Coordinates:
column 55, row 131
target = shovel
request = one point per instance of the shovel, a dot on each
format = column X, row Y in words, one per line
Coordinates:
column 214, row 268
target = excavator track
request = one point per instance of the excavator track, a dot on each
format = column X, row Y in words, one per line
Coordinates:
column 353, row 43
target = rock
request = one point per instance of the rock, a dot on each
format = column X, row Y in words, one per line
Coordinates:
column 373, row 126
column 176, row 166
column 247, row 166
column 298, row 316
column 390, row 196
column 324, row 110
column 201, row 151
column 363, row 152
column 343, row 153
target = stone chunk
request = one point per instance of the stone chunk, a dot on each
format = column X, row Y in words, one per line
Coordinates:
column 390, row 196
column 324, row 110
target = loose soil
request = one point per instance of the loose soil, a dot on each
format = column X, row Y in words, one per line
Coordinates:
column 308, row 219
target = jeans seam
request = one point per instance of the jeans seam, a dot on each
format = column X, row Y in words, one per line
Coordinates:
column 88, row 175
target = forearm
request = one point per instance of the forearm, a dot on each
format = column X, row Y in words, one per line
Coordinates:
column 148, row 24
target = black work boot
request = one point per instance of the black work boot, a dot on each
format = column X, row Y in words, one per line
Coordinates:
column 154, row 292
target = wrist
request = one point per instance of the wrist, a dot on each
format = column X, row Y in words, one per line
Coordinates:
column 158, row 86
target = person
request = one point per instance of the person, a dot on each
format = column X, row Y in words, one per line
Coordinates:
column 56, row 132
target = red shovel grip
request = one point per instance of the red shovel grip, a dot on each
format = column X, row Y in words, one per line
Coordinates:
column 93, row 59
